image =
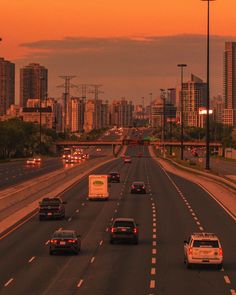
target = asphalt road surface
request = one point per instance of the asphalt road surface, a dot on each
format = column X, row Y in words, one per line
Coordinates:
column 172, row 209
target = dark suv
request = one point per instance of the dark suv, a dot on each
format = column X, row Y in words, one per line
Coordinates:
column 138, row 187
column 50, row 208
column 114, row 177
column 124, row 229
column 63, row 241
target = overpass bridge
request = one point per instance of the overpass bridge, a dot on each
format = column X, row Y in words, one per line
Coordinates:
column 128, row 142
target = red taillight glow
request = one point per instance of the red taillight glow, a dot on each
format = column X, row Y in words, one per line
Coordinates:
column 53, row 241
column 71, row 241
column 190, row 251
column 135, row 230
column 113, row 229
column 220, row 251
column 132, row 186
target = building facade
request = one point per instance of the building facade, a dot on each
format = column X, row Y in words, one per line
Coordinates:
column 122, row 113
column 7, row 85
column 229, row 86
column 33, row 83
column 78, row 108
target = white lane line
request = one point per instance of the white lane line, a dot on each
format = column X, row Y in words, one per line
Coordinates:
column 154, row 215
column 154, row 224
column 152, row 284
column 233, row 292
column 227, row 280
column 60, row 229
column 154, row 219
column 154, row 243
column 198, row 223
column 112, row 219
column 195, row 218
column 47, row 242
column 118, row 204
column 116, row 211
column 8, row 282
column 101, row 242
column 83, row 204
column 70, row 219
column 92, row 260
column 154, row 236
column 201, row 228
column 154, row 251
column 80, row 283
column 107, row 229
column 153, row 271
column 154, row 261
column 31, row 259
column 77, row 211
column 154, row 230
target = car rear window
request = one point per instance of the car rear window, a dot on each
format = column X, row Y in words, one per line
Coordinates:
column 64, row 235
column 206, row 243
column 123, row 224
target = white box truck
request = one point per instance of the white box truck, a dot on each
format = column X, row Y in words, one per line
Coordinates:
column 98, row 187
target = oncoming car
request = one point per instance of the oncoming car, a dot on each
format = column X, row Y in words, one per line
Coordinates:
column 203, row 248
column 127, row 159
column 64, row 241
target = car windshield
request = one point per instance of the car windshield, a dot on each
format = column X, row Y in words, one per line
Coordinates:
column 51, row 201
column 64, row 235
column 138, row 184
column 123, row 224
column 206, row 243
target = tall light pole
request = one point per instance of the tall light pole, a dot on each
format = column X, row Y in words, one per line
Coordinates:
column 181, row 66
column 207, row 165
column 163, row 97
column 150, row 109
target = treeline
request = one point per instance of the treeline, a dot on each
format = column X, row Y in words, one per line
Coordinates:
column 218, row 133
column 21, row 139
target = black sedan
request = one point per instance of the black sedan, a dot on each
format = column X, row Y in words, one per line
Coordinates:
column 64, row 241
column 138, row 187
column 114, row 177
column 124, row 229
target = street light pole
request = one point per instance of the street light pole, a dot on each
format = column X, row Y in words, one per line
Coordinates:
column 181, row 66
column 163, row 97
column 207, row 165
column 150, row 109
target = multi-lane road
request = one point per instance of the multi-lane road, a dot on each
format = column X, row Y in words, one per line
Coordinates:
column 172, row 209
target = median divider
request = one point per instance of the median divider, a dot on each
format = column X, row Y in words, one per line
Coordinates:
column 22, row 201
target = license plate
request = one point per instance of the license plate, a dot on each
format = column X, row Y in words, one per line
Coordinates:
column 123, row 229
column 138, row 189
column 62, row 243
column 49, row 213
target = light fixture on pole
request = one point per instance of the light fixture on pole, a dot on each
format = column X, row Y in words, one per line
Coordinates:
column 181, row 66
column 207, row 165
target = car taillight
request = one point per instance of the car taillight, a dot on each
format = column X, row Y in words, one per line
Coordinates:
column 190, row 251
column 72, row 241
column 135, row 230
column 113, row 229
column 132, row 186
column 220, row 251
column 53, row 241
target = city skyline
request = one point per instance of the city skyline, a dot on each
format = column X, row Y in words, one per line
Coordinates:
column 89, row 45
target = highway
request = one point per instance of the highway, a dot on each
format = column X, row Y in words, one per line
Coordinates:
column 172, row 209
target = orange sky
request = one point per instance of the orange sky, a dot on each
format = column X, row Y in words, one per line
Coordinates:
column 27, row 20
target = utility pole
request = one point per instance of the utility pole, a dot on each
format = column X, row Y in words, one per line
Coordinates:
column 67, row 101
column 150, row 108
column 96, row 93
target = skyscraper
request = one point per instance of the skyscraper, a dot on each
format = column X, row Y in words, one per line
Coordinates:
column 229, row 90
column 7, row 85
column 33, row 83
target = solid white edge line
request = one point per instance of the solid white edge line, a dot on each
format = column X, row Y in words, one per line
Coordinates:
column 219, row 202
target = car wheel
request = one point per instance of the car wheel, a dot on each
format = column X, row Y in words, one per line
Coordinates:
column 135, row 241
column 188, row 265
column 219, row 266
column 51, row 252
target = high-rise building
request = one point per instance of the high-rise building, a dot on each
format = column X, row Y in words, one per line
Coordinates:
column 122, row 113
column 33, row 83
column 77, row 110
column 229, row 91
column 194, row 97
column 7, row 85
column 158, row 111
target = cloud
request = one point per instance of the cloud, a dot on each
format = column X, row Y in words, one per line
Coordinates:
column 134, row 65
